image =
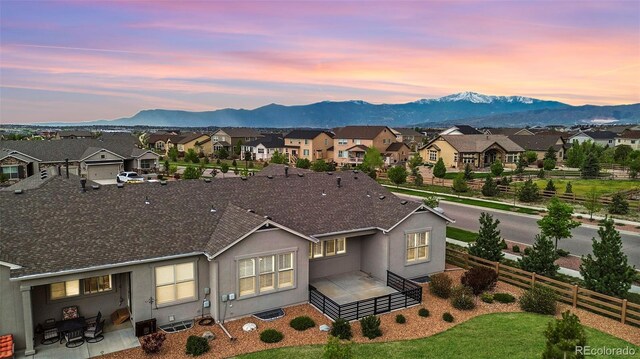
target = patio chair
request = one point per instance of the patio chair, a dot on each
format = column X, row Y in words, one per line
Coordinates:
column 75, row 338
column 92, row 321
column 50, row 334
column 94, row 334
column 70, row 312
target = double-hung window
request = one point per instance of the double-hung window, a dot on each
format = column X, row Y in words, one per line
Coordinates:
column 11, row 172
column 247, row 275
column 97, row 284
column 342, row 141
column 285, row 270
column 328, row 248
column 417, row 246
column 316, row 250
column 305, row 152
column 70, row 288
column 175, row 283
column 265, row 273
column 433, row 155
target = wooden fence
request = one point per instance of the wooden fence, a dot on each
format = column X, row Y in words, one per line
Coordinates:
column 576, row 296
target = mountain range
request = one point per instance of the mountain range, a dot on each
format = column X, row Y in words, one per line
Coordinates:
column 466, row 107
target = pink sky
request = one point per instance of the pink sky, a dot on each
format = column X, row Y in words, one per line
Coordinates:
column 77, row 61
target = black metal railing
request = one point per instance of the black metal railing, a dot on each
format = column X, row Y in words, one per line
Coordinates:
column 408, row 294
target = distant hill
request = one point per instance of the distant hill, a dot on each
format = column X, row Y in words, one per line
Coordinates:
column 327, row 114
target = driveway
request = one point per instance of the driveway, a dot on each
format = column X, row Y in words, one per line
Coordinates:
column 106, row 181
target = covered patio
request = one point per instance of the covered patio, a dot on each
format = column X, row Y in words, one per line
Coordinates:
column 351, row 287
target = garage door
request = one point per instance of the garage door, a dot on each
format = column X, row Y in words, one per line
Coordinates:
column 102, row 172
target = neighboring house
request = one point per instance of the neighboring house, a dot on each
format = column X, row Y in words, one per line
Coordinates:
column 95, row 159
column 396, row 153
column 507, row 131
column 162, row 142
column 411, row 137
column 630, row 138
column 540, row 144
column 199, row 142
column 477, row 150
column 228, row 137
column 70, row 135
column 460, row 130
column 263, row 148
column 351, row 142
column 228, row 248
column 603, row 138
column 309, row 144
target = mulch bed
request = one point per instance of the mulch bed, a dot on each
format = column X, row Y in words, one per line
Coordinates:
column 415, row 327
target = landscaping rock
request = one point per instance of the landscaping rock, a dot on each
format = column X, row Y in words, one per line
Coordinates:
column 324, row 328
column 209, row 335
column 249, row 327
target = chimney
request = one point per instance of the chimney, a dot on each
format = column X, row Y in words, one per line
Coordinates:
column 66, row 164
column 338, row 179
column 83, row 183
column 286, row 171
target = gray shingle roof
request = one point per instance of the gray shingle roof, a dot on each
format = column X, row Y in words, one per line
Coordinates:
column 275, row 169
column 537, row 142
column 405, row 131
column 56, row 227
column 268, row 141
column 478, row 143
column 241, row 132
column 361, row 132
column 73, row 149
column 306, row 134
column 396, row 146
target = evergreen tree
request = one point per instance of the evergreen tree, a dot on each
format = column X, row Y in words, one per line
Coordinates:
column 619, row 205
column 460, row 184
column 621, row 154
column 173, row 154
column 224, row 168
column 558, row 222
column 490, row 187
column 550, row 186
column 607, row 270
column 237, row 149
column 166, row 166
column 550, row 154
column 497, row 168
column 634, row 168
column 414, row 162
column 541, row 259
column 591, row 166
column 222, row 153
column 521, row 165
column 564, row 336
column 191, row 172
column 529, row 192
column 541, row 173
column 468, row 172
column 575, row 155
column 549, row 164
column 397, row 175
column 488, row 245
column 417, row 179
column 530, row 156
column 568, row 189
column 439, row 170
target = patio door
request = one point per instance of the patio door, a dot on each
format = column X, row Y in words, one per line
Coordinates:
column 129, row 306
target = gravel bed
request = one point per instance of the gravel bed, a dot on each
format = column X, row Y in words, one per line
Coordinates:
column 415, row 327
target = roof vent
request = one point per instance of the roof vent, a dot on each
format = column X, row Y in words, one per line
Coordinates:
column 355, row 171
column 403, row 202
column 83, row 183
column 323, row 193
column 270, row 177
column 368, row 194
column 163, row 183
column 207, row 180
column 267, row 217
column 95, row 186
column 330, row 173
column 244, row 178
column 251, row 211
column 381, row 197
column 338, row 179
column 286, row 171
column 120, row 185
column 146, row 200
column 17, row 191
column 300, row 174
column 355, row 177
column 213, row 210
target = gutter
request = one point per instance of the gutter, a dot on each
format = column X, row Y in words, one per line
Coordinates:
column 346, row 231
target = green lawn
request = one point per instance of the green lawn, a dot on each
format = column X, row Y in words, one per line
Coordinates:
column 461, row 234
column 582, row 186
column 452, row 175
column 212, row 164
column 502, row 335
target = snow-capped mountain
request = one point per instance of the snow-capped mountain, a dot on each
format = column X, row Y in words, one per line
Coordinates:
column 475, row 97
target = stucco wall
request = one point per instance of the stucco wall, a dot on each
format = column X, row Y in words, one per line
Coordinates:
column 262, row 243
column 374, row 254
column 11, row 315
column 341, row 263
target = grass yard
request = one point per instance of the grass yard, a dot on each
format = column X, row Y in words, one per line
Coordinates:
column 502, row 335
column 582, row 186
column 461, row 234
column 452, row 175
column 257, row 165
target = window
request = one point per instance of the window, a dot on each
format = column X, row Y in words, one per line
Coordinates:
column 70, row 288
column 306, row 142
column 147, row 164
column 633, row 142
column 512, row 158
column 417, row 246
column 260, row 150
column 328, row 248
column 343, row 154
column 455, row 157
column 305, row 152
column 316, row 250
column 175, row 283
column 433, row 155
column 274, row 272
column 11, row 172
column 326, row 142
column 342, row 141
column 97, row 284
column 290, row 141
column 469, row 158
column 356, row 141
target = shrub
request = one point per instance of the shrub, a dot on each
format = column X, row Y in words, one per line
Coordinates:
column 486, row 297
column 197, row 345
column 400, row 319
column 504, row 245
column 527, row 251
column 341, row 329
column 564, row 336
column 447, row 317
column 271, row 336
column 619, row 204
column 152, row 343
column 539, row 299
column 562, row 252
column 302, row 323
column 462, row 298
column 515, row 248
column 479, row 279
column 440, row 285
column 370, row 326
column 336, row 349
column 504, row 298
column 423, row 312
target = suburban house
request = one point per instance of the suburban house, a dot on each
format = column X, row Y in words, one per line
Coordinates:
column 162, row 142
column 228, row 137
column 263, row 148
column 71, row 135
column 507, row 131
column 477, row 150
column 630, row 138
column 541, row 143
column 410, row 136
column 95, row 159
column 460, row 130
column 351, row 142
column 397, row 152
column 226, row 248
column 603, row 138
column 308, row 144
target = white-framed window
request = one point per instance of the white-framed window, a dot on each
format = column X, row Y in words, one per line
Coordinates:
column 316, row 250
column 11, row 172
column 148, row 163
column 305, row 152
column 357, row 141
column 326, row 142
column 260, row 150
column 343, row 154
column 97, row 284
column 306, row 142
column 328, row 248
column 417, row 246
column 455, row 157
column 70, row 288
column 275, row 271
column 175, row 283
column 512, row 157
column 433, row 155
column 469, row 158
column 342, row 141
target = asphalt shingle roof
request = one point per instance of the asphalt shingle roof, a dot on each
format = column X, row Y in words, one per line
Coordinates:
column 536, row 142
column 361, row 132
column 306, row 134
column 73, row 149
column 241, row 132
column 478, row 143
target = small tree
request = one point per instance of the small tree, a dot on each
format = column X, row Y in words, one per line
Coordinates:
column 550, row 186
column 530, row 156
column 460, row 184
column 488, row 244
column 397, row 175
column 234, row 164
column 607, row 270
column 166, row 166
column 568, row 189
column 549, row 164
column 621, row 154
column 173, row 154
column 591, row 166
column 303, row 163
column 468, row 172
column 278, row 157
column 497, row 168
column 224, row 168
column 237, row 149
column 248, row 156
column 191, row 172
column 529, row 192
column 490, row 187
column 541, row 173
column 619, row 204
column 575, row 155
column 550, row 154
column 521, row 165
column 592, row 202
column 191, row 156
column 564, row 337
column 634, row 168
column 372, row 159
column 541, row 259
column 415, row 161
column 417, row 179
column 439, row 170
column 558, row 222
column 222, row 153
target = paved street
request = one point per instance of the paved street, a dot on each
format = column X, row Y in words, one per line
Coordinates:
column 523, row 228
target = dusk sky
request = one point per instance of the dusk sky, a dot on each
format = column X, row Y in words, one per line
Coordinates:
column 78, row 60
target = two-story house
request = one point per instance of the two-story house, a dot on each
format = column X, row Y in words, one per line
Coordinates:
column 309, row 144
column 264, row 147
column 603, row 138
column 228, row 137
column 199, row 142
column 351, row 142
column 630, row 138
column 410, row 136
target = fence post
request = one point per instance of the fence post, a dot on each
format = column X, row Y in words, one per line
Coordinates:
column 623, row 317
column 533, row 279
column 498, row 268
column 575, row 295
column 466, row 260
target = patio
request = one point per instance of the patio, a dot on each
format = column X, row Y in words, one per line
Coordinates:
column 351, row 287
